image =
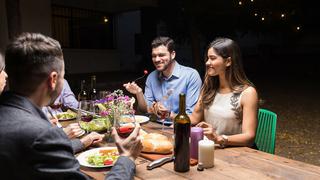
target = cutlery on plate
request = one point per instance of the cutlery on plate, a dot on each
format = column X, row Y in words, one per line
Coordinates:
column 53, row 116
column 84, row 111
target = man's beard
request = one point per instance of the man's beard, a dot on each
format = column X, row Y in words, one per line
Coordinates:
column 53, row 96
column 166, row 66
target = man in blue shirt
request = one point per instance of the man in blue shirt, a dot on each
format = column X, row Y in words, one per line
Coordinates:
column 167, row 81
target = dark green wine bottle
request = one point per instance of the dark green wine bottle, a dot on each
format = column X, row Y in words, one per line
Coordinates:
column 93, row 91
column 182, row 136
column 83, row 95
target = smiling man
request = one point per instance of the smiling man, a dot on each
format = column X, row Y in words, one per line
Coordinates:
column 168, row 80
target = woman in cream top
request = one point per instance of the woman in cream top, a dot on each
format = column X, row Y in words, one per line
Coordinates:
column 225, row 114
column 228, row 103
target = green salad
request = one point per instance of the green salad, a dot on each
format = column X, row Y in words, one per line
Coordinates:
column 103, row 157
column 96, row 124
column 67, row 115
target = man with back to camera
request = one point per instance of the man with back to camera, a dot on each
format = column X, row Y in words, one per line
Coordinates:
column 169, row 79
column 30, row 147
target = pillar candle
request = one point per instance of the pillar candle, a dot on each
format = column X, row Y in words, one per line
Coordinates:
column 206, row 153
column 196, row 136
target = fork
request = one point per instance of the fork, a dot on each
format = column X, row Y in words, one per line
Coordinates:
column 145, row 72
column 53, row 116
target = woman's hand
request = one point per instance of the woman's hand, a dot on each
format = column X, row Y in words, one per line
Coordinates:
column 208, row 131
column 133, row 88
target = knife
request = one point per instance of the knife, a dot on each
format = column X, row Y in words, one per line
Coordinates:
column 159, row 162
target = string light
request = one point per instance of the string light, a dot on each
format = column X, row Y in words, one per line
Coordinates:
column 298, row 28
column 255, row 14
column 240, row 3
column 262, row 19
column 105, row 19
column 283, row 15
column 251, row 0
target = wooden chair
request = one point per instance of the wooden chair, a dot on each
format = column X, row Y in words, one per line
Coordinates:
column 266, row 131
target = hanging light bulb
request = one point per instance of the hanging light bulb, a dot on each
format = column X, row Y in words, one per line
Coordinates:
column 105, row 19
column 240, row 3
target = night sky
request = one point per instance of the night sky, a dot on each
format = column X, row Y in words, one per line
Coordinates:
column 277, row 38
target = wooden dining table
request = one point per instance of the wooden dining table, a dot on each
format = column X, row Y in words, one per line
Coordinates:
column 229, row 163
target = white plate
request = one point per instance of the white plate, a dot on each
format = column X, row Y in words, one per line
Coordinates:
column 141, row 119
column 82, row 158
column 66, row 119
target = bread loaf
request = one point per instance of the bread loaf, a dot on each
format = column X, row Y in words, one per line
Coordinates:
column 156, row 143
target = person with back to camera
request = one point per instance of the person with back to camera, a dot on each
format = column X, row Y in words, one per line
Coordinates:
column 66, row 99
column 167, row 81
column 30, row 147
column 227, row 106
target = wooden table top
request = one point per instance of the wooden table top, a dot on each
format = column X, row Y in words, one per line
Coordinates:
column 230, row 163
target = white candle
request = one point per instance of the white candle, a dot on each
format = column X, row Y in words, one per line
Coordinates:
column 206, row 153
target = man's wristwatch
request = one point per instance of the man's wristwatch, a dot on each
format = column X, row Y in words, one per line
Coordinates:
column 224, row 141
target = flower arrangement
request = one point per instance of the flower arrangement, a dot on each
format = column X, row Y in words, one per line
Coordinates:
column 115, row 102
column 109, row 107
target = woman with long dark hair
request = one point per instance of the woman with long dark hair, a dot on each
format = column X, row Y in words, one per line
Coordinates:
column 227, row 107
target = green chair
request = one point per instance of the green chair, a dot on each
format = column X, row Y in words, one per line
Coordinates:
column 266, row 131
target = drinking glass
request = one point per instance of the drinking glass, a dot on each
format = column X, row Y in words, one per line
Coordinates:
column 164, row 111
column 103, row 94
column 86, row 112
column 56, row 107
column 124, row 122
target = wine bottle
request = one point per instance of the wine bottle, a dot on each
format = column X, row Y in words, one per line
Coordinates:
column 93, row 91
column 83, row 95
column 182, row 136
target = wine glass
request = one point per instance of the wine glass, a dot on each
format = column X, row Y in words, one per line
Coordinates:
column 86, row 112
column 124, row 122
column 56, row 106
column 103, row 94
column 164, row 111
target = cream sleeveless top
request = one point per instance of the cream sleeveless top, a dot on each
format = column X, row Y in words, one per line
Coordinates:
column 225, row 113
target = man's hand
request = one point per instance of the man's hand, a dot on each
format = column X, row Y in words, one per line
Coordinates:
column 91, row 139
column 73, row 130
column 159, row 109
column 131, row 146
column 133, row 88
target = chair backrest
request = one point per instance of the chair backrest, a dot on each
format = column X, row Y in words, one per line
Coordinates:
column 266, row 131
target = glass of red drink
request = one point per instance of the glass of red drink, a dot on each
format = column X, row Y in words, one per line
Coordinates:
column 124, row 123
column 86, row 112
column 164, row 111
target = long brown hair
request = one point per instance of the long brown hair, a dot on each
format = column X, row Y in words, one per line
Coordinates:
column 235, row 74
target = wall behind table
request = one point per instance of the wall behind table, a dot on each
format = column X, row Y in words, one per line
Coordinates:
column 87, row 61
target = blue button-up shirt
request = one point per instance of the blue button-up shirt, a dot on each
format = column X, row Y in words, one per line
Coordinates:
column 183, row 80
